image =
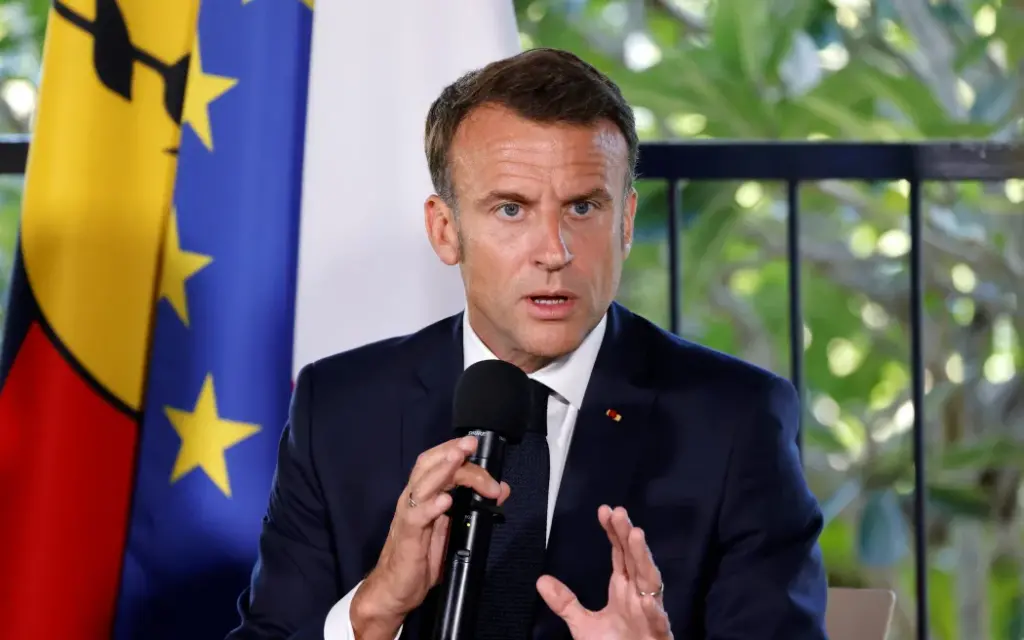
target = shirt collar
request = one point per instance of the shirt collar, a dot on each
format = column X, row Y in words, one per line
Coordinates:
column 567, row 376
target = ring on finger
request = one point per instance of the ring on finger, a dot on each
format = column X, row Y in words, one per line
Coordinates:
column 412, row 501
column 656, row 592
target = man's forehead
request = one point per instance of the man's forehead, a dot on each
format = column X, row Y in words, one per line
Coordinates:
column 499, row 130
column 493, row 144
column 572, row 178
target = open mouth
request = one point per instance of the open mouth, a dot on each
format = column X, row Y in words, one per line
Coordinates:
column 549, row 300
column 554, row 306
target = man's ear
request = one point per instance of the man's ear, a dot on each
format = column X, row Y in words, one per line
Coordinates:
column 628, row 218
column 442, row 229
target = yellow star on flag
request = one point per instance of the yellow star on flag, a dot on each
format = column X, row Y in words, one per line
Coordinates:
column 205, row 436
column 178, row 266
column 200, row 90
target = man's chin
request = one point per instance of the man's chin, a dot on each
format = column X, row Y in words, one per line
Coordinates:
column 553, row 339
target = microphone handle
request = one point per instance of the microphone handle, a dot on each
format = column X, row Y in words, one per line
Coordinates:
column 469, row 540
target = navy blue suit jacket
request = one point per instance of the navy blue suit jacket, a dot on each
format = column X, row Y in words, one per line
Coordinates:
column 704, row 458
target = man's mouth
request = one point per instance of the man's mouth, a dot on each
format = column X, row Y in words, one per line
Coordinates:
column 549, row 300
column 555, row 304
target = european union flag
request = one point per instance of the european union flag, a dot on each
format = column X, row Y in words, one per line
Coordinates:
column 220, row 371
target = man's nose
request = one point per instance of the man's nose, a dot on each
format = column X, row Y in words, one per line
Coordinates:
column 552, row 249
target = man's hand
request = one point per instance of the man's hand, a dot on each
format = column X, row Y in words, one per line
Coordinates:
column 411, row 561
column 629, row 614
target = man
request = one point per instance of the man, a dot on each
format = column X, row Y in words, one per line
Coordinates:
column 664, row 476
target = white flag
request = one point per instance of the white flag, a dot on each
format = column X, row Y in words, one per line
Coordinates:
column 366, row 269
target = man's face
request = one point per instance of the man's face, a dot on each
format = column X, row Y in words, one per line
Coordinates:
column 543, row 226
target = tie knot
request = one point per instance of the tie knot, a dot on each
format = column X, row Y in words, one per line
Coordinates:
column 539, row 393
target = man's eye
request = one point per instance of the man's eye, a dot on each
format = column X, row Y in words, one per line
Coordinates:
column 510, row 209
column 582, row 208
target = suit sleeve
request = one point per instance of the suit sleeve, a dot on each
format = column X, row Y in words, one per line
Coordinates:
column 293, row 584
column 770, row 582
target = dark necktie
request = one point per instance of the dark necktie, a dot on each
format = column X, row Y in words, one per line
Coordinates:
column 516, row 557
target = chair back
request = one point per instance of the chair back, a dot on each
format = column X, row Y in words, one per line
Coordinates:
column 859, row 614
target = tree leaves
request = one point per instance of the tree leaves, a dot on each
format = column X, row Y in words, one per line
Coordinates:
column 1013, row 628
column 788, row 18
column 738, row 29
column 994, row 452
column 820, row 438
column 958, row 501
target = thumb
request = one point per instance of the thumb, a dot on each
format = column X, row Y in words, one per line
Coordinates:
column 561, row 600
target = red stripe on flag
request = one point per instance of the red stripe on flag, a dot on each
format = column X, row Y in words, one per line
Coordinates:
column 66, row 468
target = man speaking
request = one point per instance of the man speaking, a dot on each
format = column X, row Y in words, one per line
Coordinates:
column 665, row 476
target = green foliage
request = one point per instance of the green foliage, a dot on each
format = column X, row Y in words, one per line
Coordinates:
column 10, row 207
column 810, row 69
column 23, row 24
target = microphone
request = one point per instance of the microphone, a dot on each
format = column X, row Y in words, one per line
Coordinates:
column 492, row 400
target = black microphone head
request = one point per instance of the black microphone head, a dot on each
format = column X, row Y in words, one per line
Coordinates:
column 492, row 395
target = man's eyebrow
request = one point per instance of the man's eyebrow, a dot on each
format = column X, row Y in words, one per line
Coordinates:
column 597, row 193
column 499, row 195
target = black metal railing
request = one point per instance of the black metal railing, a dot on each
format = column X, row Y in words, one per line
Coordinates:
column 799, row 162
column 795, row 163
column 13, row 155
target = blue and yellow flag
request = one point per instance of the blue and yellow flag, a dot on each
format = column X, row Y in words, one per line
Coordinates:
column 219, row 377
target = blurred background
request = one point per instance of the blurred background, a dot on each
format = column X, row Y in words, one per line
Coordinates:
column 859, row 70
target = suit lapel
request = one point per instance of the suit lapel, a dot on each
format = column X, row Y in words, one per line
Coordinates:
column 600, row 465
column 427, row 416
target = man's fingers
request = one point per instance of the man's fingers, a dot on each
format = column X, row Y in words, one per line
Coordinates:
column 431, row 482
column 647, row 577
column 622, row 527
column 457, row 448
column 561, row 600
column 478, row 479
column 604, row 516
column 657, row 619
column 428, row 511
column 452, row 471
column 505, row 491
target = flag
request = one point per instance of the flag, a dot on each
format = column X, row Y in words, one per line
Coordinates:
column 366, row 268
column 220, row 369
column 98, row 182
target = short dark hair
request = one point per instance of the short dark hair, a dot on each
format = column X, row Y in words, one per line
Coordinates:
column 542, row 85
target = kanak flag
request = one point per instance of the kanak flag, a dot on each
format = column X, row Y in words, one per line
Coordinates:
column 97, row 189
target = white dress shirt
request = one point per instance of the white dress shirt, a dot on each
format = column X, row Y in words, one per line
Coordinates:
column 567, row 378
